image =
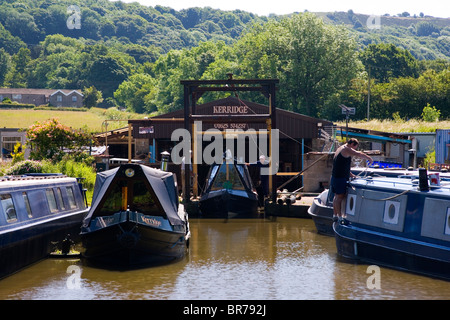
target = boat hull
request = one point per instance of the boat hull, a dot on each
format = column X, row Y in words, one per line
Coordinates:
column 402, row 254
column 22, row 247
column 130, row 245
column 228, row 205
column 398, row 223
column 321, row 212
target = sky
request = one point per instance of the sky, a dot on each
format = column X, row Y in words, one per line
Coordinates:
column 435, row 8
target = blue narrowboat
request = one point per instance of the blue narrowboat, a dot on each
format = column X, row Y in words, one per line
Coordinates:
column 398, row 223
column 135, row 219
column 321, row 209
column 35, row 213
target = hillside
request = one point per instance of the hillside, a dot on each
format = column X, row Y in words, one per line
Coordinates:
column 161, row 29
column 427, row 38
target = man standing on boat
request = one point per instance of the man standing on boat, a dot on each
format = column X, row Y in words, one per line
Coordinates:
column 262, row 187
column 341, row 172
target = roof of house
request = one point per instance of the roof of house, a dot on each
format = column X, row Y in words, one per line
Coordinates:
column 46, row 92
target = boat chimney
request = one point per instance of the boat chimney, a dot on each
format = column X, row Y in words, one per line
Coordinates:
column 423, row 179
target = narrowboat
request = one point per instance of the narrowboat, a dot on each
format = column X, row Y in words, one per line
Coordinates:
column 35, row 213
column 135, row 219
column 229, row 192
column 321, row 212
column 321, row 209
column 398, row 223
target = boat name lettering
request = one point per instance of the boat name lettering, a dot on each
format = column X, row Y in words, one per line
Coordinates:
column 104, row 221
column 230, row 109
column 151, row 221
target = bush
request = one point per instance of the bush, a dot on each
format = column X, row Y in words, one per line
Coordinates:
column 24, row 167
column 430, row 114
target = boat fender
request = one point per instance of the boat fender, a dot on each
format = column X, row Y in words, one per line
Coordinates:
column 128, row 239
column 290, row 200
column 281, row 200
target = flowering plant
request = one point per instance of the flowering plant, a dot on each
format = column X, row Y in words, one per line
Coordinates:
column 24, row 167
column 51, row 139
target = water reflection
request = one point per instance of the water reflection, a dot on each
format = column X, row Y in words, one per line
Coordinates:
column 237, row 259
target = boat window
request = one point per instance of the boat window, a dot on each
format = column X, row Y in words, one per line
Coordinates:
column 27, row 204
column 51, row 200
column 143, row 200
column 227, row 178
column 8, row 207
column 113, row 203
column 213, row 174
column 244, row 174
column 71, row 198
column 60, row 198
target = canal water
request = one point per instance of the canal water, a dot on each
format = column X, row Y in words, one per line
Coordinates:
column 278, row 259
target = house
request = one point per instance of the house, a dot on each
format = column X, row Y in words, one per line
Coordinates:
column 37, row 97
column 9, row 137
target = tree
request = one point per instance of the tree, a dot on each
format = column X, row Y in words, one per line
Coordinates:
column 91, row 97
column 386, row 61
column 4, row 65
column 17, row 78
column 312, row 59
column 106, row 74
column 134, row 93
column 51, row 139
column 425, row 29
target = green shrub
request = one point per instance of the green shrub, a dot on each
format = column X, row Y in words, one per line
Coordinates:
column 430, row 114
column 24, row 167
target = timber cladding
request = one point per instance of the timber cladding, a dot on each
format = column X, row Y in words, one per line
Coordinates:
column 291, row 124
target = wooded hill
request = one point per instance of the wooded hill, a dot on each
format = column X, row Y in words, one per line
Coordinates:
column 136, row 55
column 28, row 22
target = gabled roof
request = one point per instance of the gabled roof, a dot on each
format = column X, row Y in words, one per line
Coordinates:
column 45, row 92
column 66, row 92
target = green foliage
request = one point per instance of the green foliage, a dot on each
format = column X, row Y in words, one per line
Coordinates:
column 426, row 28
column 387, row 61
column 17, row 155
column 72, row 166
column 430, row 114
column 397, row 118
column 135, row 56
column 430, row 157
column 51, row 140
column 91, row 97
column 24, row 167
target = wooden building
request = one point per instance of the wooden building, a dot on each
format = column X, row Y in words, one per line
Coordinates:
column 299, row 141
column 151, row 137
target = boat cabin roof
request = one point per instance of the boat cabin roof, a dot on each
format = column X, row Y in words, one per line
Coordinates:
column 229, row 175
column 155, row 185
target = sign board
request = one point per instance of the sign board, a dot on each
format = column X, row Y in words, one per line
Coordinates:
column 350, row 110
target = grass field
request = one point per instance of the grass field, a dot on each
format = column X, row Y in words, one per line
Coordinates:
column 412, row 125
column 92, row 119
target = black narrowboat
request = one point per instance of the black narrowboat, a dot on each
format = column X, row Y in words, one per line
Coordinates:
column 135, row 220
column 229, row 192
column 35, row 213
